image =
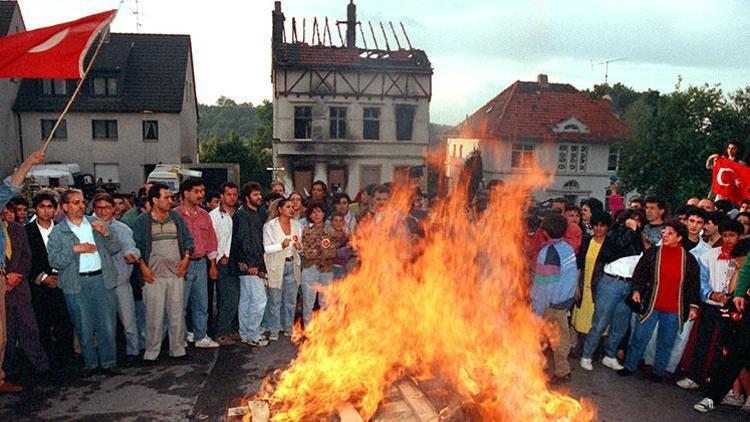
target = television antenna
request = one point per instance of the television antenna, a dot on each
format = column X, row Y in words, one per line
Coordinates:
column 606, row 66
column 137, row 13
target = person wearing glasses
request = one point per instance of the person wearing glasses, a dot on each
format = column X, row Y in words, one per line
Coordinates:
column 83, row 249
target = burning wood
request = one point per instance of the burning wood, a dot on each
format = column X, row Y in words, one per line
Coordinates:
column 452, row 306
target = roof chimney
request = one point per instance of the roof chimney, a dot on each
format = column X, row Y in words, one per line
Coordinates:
column 278, row 26
column 351, row 25
column 542, row 80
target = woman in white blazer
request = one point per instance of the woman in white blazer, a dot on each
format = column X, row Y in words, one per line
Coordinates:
column 282, row 238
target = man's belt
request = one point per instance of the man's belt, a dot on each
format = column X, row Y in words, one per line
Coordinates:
column 198, row 259
column 619, row 277
column 90, row 273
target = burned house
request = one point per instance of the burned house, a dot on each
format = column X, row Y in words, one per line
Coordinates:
column 344, row 114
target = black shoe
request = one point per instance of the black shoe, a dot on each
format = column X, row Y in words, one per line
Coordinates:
column 89, row 372
column 112, row 371
column 655, row 378
column 183, row 358
column 625, row 372
column 560, row 380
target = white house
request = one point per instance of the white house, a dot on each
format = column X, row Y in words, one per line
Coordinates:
column 11, row 22
column 136, row 109
column 553, row 125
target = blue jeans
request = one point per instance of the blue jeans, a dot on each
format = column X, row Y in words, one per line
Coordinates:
column 611, row 310
column 252, row 306
column 282, row 303
column 679, row 347
column 339, row 271
column 227, row 301
column 196, row 292
column 668, row 326
column 94, row 312
column 313, row 279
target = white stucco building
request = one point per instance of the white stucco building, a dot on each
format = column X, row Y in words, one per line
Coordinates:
column 346, row 115
column 11, row 22
column 559, row 128
column 136, row 109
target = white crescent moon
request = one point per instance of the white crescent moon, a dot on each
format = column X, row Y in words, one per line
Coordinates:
column 51, row 41
column 718, row 176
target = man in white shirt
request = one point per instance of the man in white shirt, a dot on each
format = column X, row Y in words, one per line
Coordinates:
column 228, row 283
column 55, row 327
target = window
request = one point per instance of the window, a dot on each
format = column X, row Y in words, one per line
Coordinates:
column 371, row 123
column 104, row 129
column 105, row 86
column 461, row 151
column 107, row 172
column 337, row 120
column 53, row 87
column 454, row 151
column 404, row 122
column 401, row 175
column 369, row 175
column 613, row 164
column 522, row 156
column 572, row 158
column 150, row 130
column 60, row 133
column 302, row 122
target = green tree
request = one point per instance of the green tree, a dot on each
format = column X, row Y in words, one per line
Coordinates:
column 227, row 116
column 671, row 135
column 622, row 95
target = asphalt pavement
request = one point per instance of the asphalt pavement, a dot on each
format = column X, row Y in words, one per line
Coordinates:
column 213, row 380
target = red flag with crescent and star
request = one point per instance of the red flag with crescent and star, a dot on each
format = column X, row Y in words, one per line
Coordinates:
column 731, row 180
column 53, row 52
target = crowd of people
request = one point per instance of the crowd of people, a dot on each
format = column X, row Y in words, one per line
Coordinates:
column 211, row 269
column 626, row 286
column 639, row 291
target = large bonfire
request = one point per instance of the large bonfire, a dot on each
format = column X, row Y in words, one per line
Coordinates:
column 452, row 306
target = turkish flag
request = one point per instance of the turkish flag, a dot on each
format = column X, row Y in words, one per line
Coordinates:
column 731, row 180
column 54, row 52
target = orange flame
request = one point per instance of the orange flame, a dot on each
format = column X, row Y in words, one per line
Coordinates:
column 453, row 305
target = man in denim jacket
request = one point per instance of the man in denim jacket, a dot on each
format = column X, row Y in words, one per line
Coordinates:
column 82, row 249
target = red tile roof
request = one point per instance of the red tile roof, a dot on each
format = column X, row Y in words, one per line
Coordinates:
column 297, row 55
column 528, row 110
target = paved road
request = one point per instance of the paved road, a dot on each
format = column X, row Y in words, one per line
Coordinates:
column 204, row 387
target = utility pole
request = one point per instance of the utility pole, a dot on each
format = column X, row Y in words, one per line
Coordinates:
column 606, row 67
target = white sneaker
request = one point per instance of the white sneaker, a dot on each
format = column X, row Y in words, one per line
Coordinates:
column 704, row 406
column 586, row 364
column 687, row 384
column 273, row 336
column 206, row 343
column 190, row 337
column 733, row 400
column 746, row 407
column 612, row 363
column 258, row 342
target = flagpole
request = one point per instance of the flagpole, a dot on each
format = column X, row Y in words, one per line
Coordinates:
column 104, row 36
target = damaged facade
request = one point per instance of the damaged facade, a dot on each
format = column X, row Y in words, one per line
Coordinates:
column 346, row 115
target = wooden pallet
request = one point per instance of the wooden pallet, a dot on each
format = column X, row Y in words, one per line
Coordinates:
column 403, row 402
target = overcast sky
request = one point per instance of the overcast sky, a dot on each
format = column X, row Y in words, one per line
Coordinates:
column 477, row 47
